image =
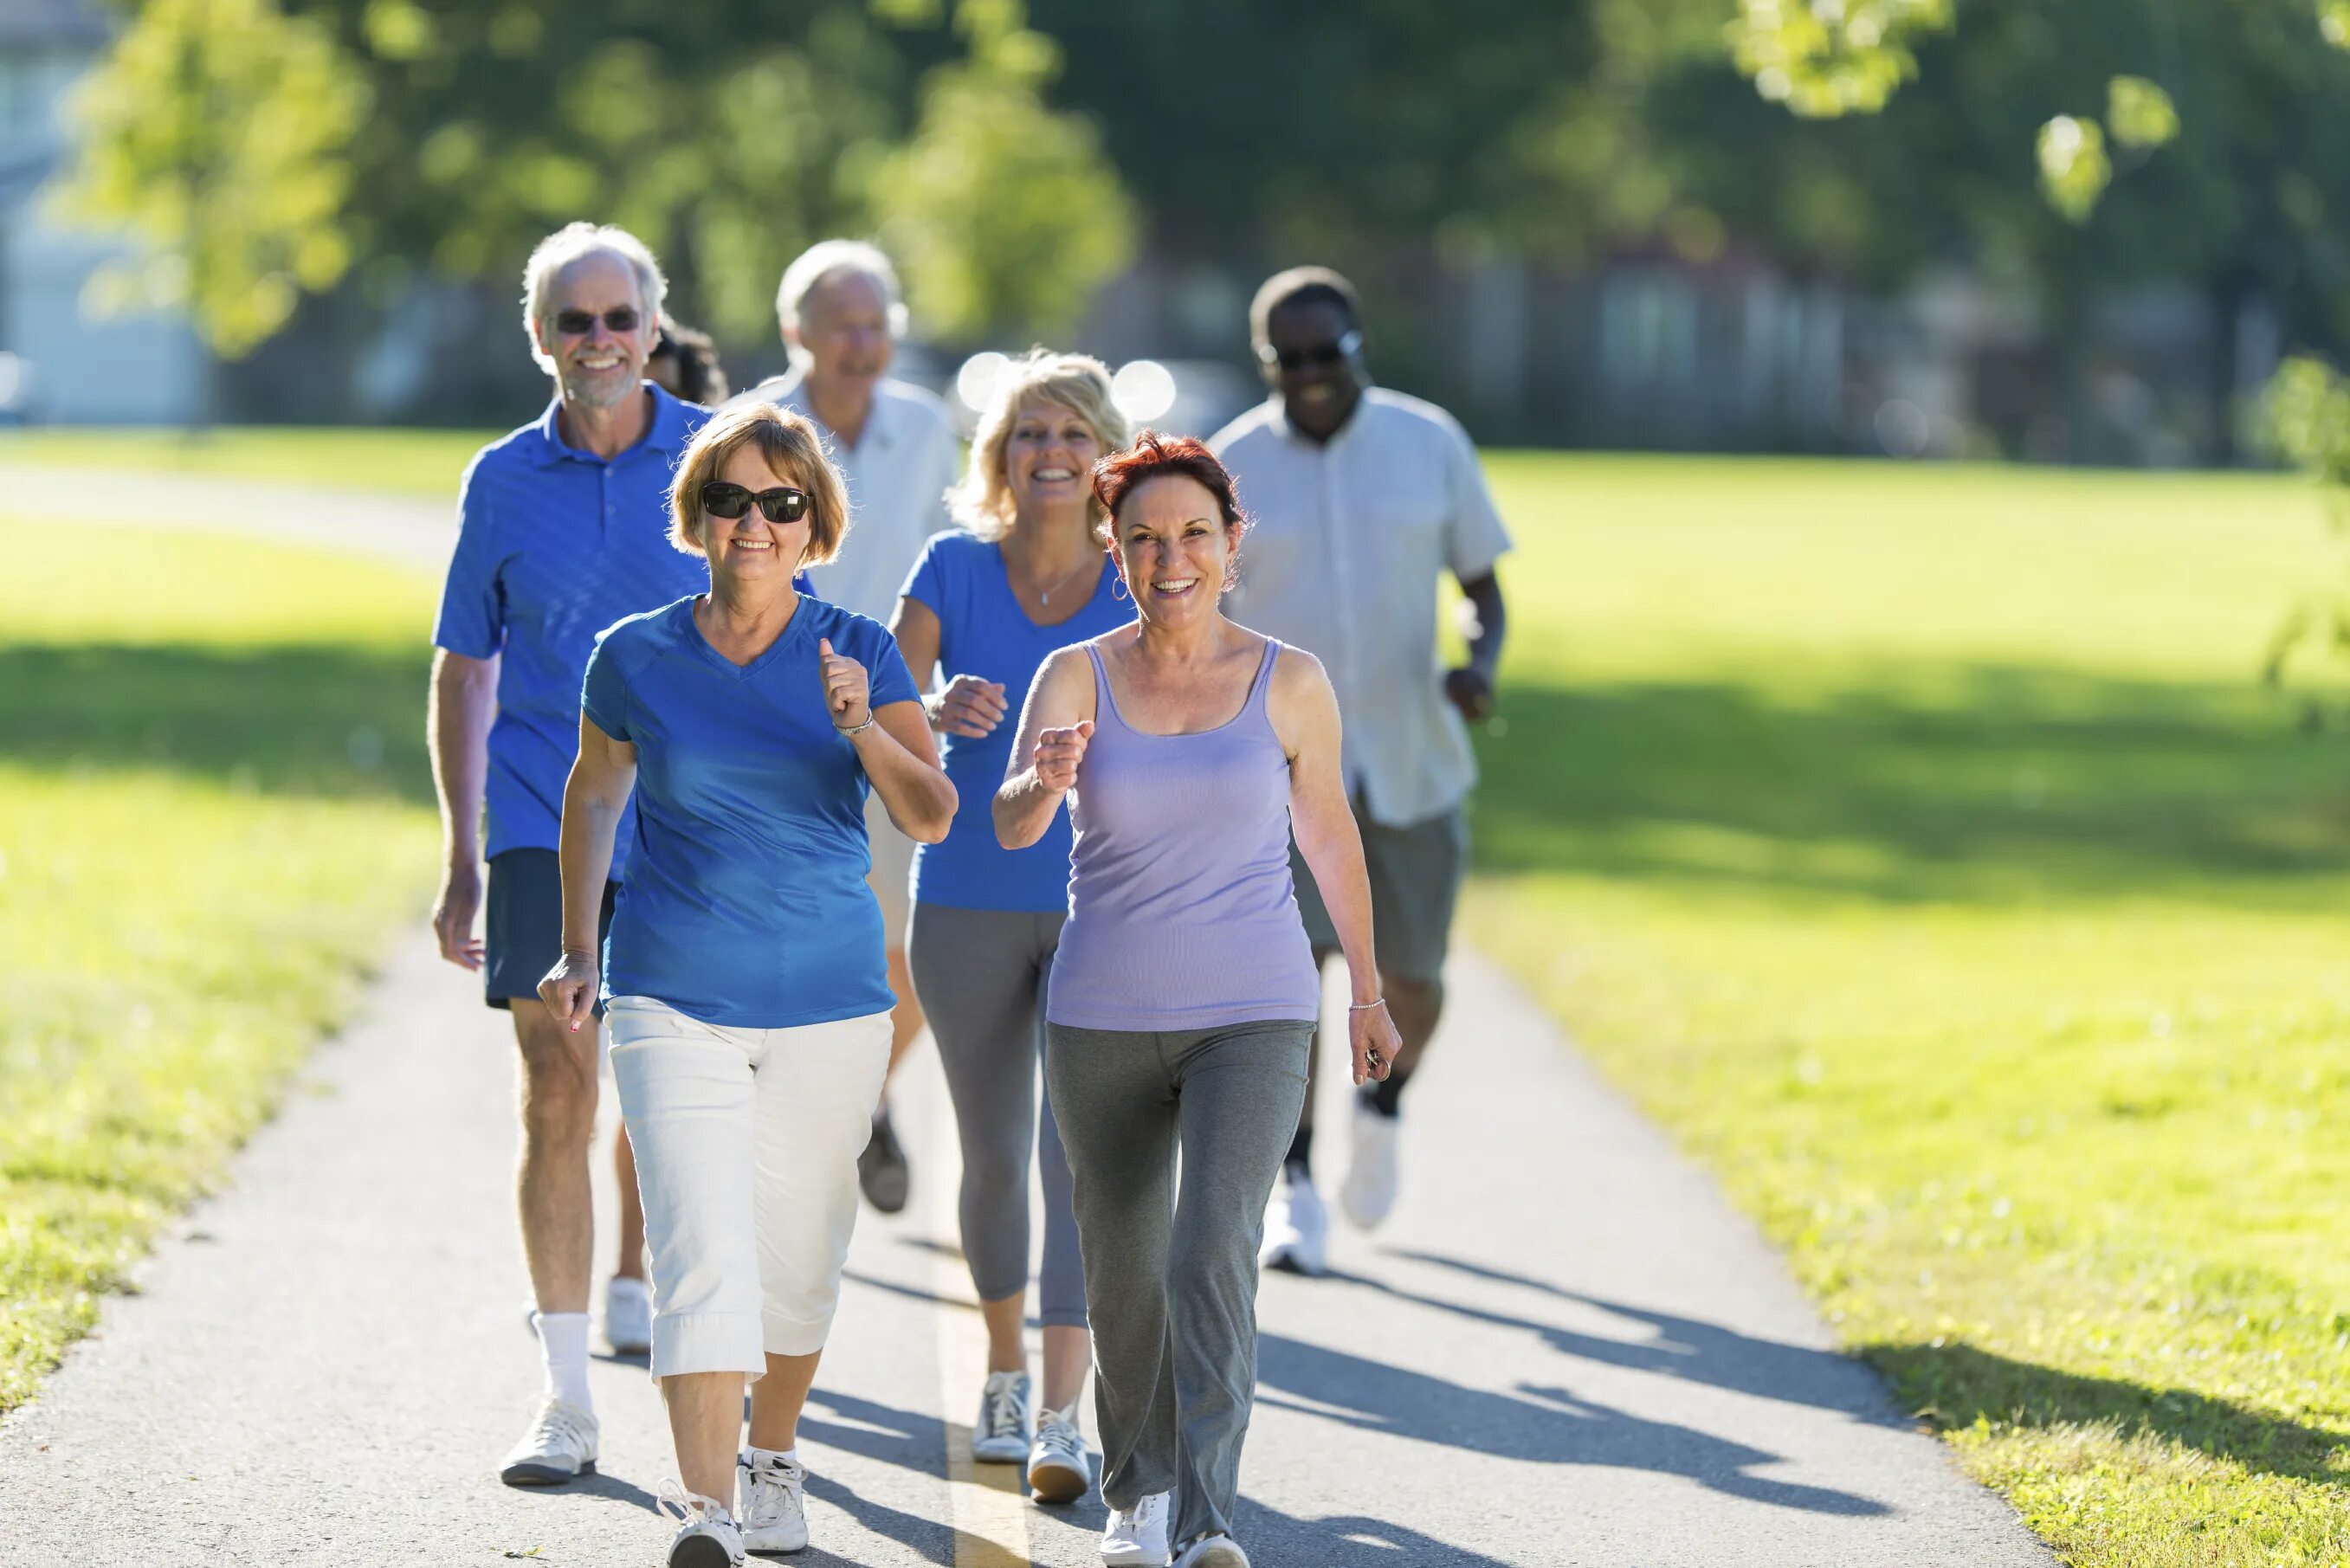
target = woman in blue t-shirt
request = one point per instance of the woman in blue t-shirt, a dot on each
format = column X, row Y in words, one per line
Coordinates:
column 743, row 976
column 985, row 607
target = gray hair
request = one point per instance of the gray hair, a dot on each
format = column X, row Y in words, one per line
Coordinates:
column 570, row 243
column 821, row 261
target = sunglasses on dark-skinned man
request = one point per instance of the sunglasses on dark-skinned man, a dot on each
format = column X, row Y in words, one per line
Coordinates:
column 579, row 323
column 1316, row 355
column 724, row 498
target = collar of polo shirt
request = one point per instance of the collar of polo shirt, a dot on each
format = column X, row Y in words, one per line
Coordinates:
column 666, row 433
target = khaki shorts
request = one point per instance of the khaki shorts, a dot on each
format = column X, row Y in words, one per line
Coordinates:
column 892, row 876
column 1416, row 873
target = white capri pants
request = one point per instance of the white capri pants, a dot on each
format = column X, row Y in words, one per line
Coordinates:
column 746, row 1146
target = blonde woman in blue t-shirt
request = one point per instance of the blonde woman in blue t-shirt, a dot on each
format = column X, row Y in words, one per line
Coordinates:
column 983, row 607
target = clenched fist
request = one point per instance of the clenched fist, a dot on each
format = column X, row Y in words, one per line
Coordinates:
column 969, row 707
column 845, row 693
column 1058, row 753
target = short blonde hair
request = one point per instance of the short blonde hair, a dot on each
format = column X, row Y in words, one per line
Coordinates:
column 1077, row 382
column 792, row 449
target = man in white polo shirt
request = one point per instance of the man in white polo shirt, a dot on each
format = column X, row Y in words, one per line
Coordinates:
column 1360, row 499
column 841, row 315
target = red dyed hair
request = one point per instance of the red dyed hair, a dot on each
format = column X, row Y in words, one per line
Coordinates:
column 1156, row 456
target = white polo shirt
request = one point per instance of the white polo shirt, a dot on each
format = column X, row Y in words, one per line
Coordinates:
column 898, row 474
column 1349, row 541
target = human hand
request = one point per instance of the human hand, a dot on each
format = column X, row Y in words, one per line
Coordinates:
column 1058, row 753
column 1471, row 690
column 453, row 909
column 1371, row 1031
column 969, row 706
column 569, row 989
column 845, row 694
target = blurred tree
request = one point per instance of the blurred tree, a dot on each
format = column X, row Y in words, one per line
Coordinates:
column 215, row 132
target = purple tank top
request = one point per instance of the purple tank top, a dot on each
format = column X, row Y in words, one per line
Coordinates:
column 1181, row 915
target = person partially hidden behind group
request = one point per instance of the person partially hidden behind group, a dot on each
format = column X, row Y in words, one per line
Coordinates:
column 745, row 976
column 1184, row 992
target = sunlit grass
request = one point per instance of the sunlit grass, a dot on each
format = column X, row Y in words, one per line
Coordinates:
column 1917, row 845
column 423, row 463
column 212, row 811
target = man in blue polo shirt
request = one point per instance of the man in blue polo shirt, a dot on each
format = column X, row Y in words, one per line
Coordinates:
column 563, row 529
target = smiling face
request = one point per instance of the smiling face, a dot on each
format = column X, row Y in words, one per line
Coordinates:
column 597, row 368
column 750, row 549
column 844, row 329
column 1324, row 381
column 1048, row 459
column 1173, row 549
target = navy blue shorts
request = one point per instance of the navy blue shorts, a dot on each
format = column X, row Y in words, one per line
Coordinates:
column 523, row 932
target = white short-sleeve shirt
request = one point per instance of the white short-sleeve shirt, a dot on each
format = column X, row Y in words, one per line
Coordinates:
column 1349, row 539
column 898, row 474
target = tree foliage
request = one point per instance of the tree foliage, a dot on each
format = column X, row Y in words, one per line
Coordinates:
column 216, row 131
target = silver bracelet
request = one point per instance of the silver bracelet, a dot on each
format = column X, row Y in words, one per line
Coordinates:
column 1367, row 1006
column 854, row 729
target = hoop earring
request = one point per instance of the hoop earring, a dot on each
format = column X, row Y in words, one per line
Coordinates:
column 1117, row 588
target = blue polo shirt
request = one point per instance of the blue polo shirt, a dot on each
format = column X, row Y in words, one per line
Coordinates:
column 745, row 904
column 983, row 631
column 554, row 544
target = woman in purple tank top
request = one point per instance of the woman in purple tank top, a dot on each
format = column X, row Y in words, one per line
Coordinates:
column 1184, row 994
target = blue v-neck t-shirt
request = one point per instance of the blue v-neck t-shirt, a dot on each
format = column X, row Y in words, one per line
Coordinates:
column 983, row 631
column 745, row 904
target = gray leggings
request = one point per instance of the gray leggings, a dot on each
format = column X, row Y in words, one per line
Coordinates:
column 1172, row 1277
column 980, row 976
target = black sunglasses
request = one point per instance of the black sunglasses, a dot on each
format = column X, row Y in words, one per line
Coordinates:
column 579, row 323
column 724, row 498
column 1317, row 356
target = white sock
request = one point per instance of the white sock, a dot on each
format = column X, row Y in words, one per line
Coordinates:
column 762, row 1458
column 563, row 1342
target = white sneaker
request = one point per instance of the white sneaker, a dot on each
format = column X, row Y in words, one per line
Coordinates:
column 707, row 1536
column 1213, row 1551
column 1007, row 1416
column 1139, row 1535
column 627, row 1315
column 1369, row 1193
column 1057, row 1469
column 773, row 1503
column 560, row 1447
column 1296, row 1227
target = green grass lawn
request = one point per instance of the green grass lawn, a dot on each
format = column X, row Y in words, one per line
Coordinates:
column 404, row 462
column 213, row 809
column 1916, row 844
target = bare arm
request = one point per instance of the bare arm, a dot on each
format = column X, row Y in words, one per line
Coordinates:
column 1305, row 713
column 1054, row 728
column 1470, row 688
column 967, row 705
column 460, row 705
column 593, row 799
column 898, row 755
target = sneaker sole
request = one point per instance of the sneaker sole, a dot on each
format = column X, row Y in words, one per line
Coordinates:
column 1134, row 1559
column 775, row 1547
column 543, row 1475
column 1220, row 1556
column 1002, row 1456
column 702, row 1552
column 1058, row 1482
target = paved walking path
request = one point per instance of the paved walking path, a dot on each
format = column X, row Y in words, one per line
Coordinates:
column 1563, row 1350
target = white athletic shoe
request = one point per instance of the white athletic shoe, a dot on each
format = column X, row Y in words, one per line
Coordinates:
column 627, row 1315
column 1213, row 1551
column 1296, row 1227
column 707, row 1536
column 1138, row 1535
column 1057, row 1469
column 560, row 1447
column 773, row 1503
column 1007, row 1417
column 1369, row 1193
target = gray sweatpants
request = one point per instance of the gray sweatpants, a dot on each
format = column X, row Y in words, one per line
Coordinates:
column 980, row 977
column 1172, row 1277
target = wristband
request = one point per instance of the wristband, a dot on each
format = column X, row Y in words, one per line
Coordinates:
column 855, row 729
column 1367, row 1006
